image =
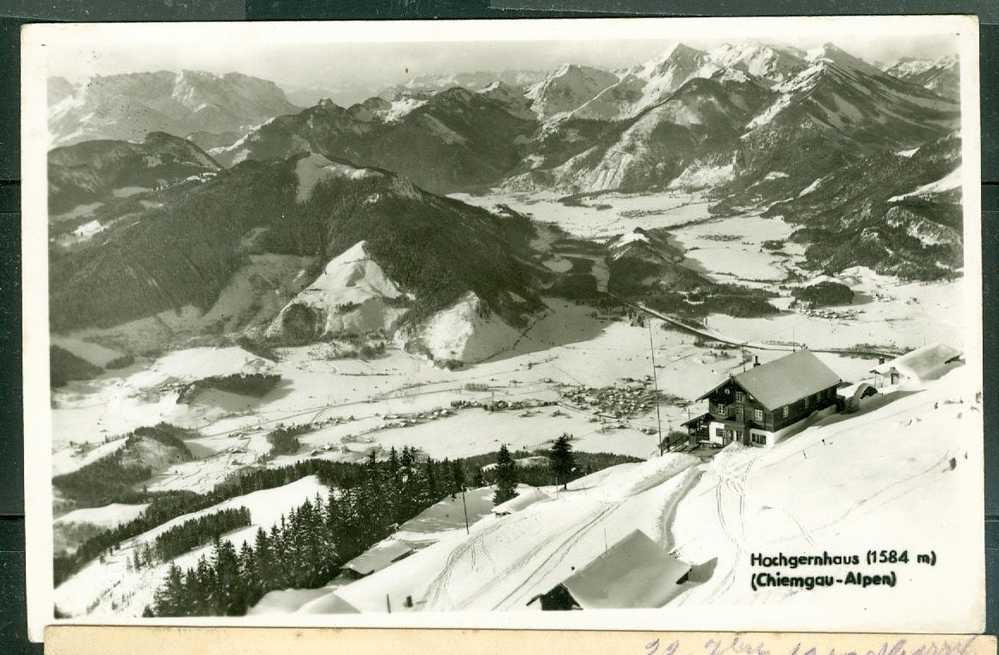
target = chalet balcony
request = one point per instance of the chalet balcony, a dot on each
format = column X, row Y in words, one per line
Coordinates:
column 733, row 424
column 721, row 412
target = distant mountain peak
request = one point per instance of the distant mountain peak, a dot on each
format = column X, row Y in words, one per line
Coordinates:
column 832, row 53
column 126, row 106
column 567, row 88
column 941, row 75
column 774, row 64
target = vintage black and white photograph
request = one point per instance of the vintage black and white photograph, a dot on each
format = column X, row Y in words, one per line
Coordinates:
column 632, row 322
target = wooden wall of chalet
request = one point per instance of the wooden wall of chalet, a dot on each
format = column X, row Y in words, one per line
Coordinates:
column 771, row 420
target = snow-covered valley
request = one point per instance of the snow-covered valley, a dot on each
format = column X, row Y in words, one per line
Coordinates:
column 827, row 488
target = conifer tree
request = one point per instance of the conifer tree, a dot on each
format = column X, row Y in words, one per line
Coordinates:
column 457, row 478
column 430, row 480
column 560, row 460
column 393, row 462
column 506, row 476
column 408, row 458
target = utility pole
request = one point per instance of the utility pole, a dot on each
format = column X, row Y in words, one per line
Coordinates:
column 655, row 387
column 465, row 506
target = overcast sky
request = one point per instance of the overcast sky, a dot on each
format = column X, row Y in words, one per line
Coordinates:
column 307, row 63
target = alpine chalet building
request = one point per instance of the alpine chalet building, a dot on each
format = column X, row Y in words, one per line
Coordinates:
column 760, row 406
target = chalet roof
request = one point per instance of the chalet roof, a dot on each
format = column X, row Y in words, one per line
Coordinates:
column 785, row 380
column 378, row 557
column 922, row 363
column 634, row 572
column 696, row 419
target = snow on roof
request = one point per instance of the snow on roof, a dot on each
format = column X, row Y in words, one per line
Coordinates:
column 378, row 556
column 329, row 603
column 921, row 364
column 634, row 572
column 785, row 380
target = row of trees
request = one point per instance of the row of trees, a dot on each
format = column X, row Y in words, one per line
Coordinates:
column 309, row 545
column 561, row 465
column 284, row 440
column 199, row 531
column 164, row 506
column 434, row 480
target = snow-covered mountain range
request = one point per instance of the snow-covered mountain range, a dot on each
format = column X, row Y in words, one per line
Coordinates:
column 941, row 75
column 127, row 106
column 755, row 125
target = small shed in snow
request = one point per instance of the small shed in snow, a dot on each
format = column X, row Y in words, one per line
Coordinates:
column 377, row 557
column 851, row 397
column 633, row 573
column 922, row 364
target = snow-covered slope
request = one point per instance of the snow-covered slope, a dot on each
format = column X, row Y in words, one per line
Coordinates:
column 532, row 549
column 840, row 99
column 350, row 296
column 699, row 121
column 842, row 58
column 771, row 63
column 891, row 468
column 949, row 182
column 107, row 586
column 467, row 331
column 476, row 81
column 942, row 75
column 645, row 85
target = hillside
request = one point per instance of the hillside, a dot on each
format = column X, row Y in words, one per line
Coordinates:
column 567, row 88
column 701, row 120
column 98, row 171
column 648, row 84
column 942, row 76
column 455, row 140
column 898, row 214
column 711, row 516
column 305, row 207
column 767, row 62
column 829, row 112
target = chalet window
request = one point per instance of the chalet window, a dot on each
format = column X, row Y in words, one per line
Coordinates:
column 787, row 410
column 758, row 439
column 719, row 432
column 808, row 401
column 739, row 396
column 758, row 415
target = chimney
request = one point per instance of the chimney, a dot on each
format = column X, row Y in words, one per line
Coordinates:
column 756, row 361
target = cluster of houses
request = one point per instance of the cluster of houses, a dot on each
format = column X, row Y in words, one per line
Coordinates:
column 633, row 398
column 502, row 405
column 768, row 402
